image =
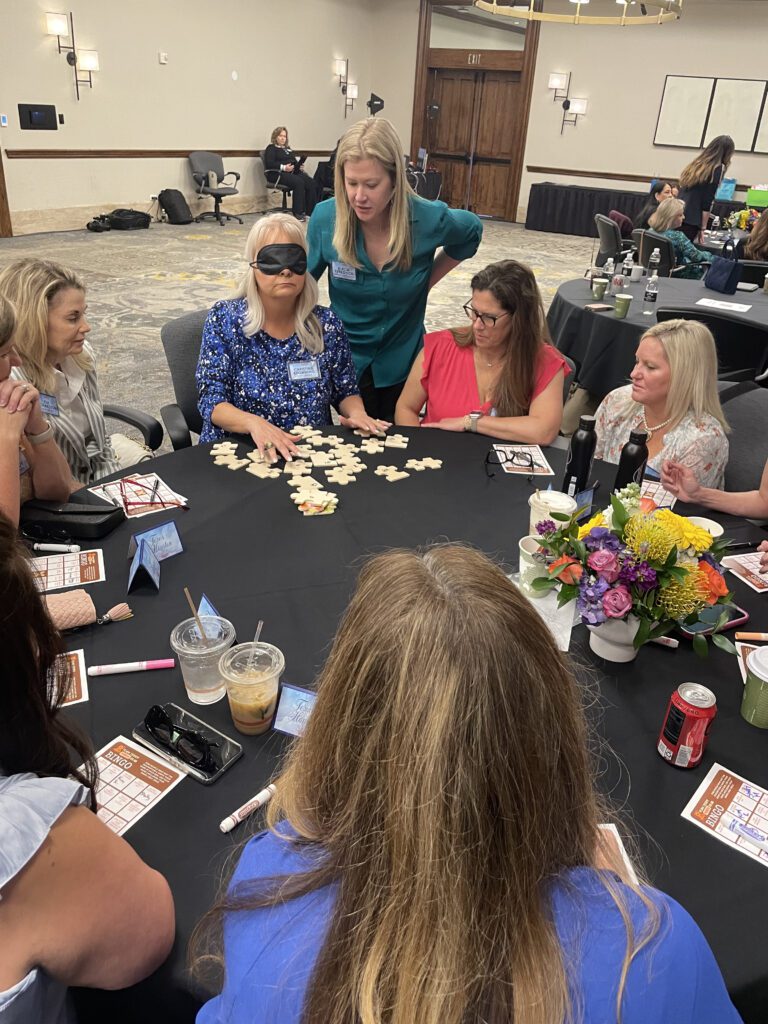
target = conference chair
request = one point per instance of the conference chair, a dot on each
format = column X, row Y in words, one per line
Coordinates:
column 649, row 241
column 612, row 246
column 742, row 348
column 275, row 184
column 150, row 430
column 181, row 340
column 623, row 222
column 744, row 405
column 753, row 272
column 208, row 172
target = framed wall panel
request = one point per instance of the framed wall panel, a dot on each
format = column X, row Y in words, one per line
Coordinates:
column 735, row 110
column 683, row 112
column 761, row 138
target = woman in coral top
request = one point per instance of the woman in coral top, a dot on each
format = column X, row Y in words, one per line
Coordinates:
column 498, row 377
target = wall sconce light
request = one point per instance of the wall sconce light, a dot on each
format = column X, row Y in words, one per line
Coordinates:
column 572, row 111
column 560, row 81
column 341, row 68
column 61, row 26
column 350, row 93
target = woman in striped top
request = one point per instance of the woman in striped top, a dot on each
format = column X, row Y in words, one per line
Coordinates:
column 58, row 361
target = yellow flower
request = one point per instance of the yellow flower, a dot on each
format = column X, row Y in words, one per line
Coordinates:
column 687, row 535
column 596, row 520
column 685, row 597
column 648, row 537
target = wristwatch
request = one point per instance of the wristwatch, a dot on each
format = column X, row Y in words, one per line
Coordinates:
column 42, row 437
column 471, row 422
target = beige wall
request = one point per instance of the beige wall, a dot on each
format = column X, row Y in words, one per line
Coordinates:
column 621, row 72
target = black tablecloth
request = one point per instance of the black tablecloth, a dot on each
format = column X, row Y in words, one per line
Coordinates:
column 604, row 347
column 256, row 557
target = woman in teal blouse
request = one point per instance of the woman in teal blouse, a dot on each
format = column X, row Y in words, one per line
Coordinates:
column 378, row 239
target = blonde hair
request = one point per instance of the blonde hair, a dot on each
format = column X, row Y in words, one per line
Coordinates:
column 690, row 350
column 412, row 790
column 664, row 216
column 263, row 232
column 7, row 321
column 31, row 285
column 702, row 168
column 276, row 132
column 374, row 138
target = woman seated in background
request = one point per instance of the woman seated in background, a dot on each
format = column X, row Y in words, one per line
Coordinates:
column 673, row 399
column 410, row 873
column 699, row 182
column 498, row 376
column 271, row 358
column 666, row 221
column 660, row 190
column 31, row 464
column 756, row 246
column 280, row 160
column 78, row 906
column 56, row 358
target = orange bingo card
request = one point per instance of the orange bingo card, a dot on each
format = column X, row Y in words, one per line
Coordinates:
column 131, row 782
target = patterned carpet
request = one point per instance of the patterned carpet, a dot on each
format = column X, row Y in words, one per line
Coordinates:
column 138, row 280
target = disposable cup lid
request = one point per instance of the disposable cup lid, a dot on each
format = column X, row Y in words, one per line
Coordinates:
column 757, row 663
column 236, row 663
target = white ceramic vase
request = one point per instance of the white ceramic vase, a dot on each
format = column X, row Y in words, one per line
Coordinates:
column 614, row 639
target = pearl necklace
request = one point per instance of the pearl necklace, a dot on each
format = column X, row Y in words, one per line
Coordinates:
column 659, row 426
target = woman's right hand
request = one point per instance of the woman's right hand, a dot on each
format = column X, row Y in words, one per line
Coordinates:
column 271, row 441
column 680, row 481
column 288, row 168
column 17, row 404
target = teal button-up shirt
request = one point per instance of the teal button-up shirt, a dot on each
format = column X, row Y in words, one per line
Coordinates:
column 383, row 310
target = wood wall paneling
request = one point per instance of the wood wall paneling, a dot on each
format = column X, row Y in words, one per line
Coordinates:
column 6, row 227
column 136, row 154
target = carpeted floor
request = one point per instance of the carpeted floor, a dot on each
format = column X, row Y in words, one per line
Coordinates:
column 138, row 280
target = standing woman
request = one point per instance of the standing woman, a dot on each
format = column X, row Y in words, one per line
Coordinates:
column 378, row 240
column 283, row 165
column 699, row 182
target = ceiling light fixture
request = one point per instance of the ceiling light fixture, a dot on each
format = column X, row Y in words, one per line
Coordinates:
column 661, row 12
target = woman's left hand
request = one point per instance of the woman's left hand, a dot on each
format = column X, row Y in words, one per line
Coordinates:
column 362, row 421
column 455, row 423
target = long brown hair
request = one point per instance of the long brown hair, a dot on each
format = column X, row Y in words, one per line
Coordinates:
column 514, row 287
column 436, row 724
column 701, row 169
column 33, row 737
column 757, row 244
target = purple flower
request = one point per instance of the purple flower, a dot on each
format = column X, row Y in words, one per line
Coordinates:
column 617, row 602
column 638, row 574
column 600, row 538
column 546, row 526
column 710, row 559
column 589, row 603
column 605, row 563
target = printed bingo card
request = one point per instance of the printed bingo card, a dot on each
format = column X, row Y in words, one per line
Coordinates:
column 732, row 810
column 73, row 569
column 77, row 688
column 747, row 568
column 131, row 782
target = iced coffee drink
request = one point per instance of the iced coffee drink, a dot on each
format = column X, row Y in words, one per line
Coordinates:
column 252, row 675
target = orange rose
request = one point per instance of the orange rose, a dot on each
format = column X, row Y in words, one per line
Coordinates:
column 647, row 505
column 715, row 584
column 570, row 575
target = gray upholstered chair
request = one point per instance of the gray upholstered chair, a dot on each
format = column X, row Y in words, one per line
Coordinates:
column 181, row 340
column 612, row 246
column 208, row 172
column 745, row 405
column 753, row 271
column 742, row 348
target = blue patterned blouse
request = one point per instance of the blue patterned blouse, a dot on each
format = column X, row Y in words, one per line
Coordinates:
column 253, row 373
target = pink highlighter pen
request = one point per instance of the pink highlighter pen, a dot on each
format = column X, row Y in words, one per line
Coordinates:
column 130, row 666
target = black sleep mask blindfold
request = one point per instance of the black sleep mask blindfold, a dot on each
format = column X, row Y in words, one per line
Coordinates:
column 274, row 258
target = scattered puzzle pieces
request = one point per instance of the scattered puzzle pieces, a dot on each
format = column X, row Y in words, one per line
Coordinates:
column 393, row 477
column 421, row 464
column 340, row 476
column 262, row 471
column 396, row 441
column 372, row 446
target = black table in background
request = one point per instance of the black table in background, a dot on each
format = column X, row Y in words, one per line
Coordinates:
column 603, row 347
column 256, row 557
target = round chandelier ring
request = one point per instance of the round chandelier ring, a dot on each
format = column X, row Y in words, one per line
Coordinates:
column 668, row 10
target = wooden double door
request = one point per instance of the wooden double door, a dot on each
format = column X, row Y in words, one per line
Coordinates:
column 474, row 134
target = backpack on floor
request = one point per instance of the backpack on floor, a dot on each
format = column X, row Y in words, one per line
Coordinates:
column 175, row 206
column 127, row 220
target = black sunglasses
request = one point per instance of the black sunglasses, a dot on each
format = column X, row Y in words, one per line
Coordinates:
column 192, row 748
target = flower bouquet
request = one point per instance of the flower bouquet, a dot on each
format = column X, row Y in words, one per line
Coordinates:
column 636, row 563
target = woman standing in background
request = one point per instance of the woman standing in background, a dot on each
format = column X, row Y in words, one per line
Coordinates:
column 699, row 182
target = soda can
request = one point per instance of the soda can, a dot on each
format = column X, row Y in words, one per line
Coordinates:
column 684, row 734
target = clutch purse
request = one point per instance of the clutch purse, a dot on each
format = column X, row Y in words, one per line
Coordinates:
column 80, row 521
column 75, row 609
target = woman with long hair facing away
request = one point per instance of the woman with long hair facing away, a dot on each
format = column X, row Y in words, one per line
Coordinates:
column 660, row 190
column 271, row 358
column 673, row 399
column 433, row 852
column 378, row 240
column 699, row 182
column 690, row 261
column 78, row 906
column 498, row 375
column 756, row 246
column 31, row 464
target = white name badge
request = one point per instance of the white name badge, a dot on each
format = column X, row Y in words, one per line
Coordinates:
column 48, row 404
column 305, row 369
column 343, row 271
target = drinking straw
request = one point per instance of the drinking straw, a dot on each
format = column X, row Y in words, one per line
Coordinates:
column 255, row 641
column 188, row 596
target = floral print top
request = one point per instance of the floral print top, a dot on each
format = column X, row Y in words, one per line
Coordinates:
column 700, row 443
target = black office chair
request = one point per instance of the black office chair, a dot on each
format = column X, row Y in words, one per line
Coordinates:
column 147, row 425
column 208, row 172
column 612, row 246
column 753, row 272
column 742, row 348
column 649, row 241
column 744, row 405
column 181, row 340
column 274, row 183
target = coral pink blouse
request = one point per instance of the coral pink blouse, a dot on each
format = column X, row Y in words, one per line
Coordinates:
column 450, row 381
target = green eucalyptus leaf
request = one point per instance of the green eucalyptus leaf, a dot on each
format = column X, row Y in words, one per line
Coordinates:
column 700, row 645
column 620, row 515
column 723, row 643
column 561, row 517
column 643, row 633
column 542, row 583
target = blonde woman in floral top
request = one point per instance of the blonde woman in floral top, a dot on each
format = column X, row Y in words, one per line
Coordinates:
column 672, row 398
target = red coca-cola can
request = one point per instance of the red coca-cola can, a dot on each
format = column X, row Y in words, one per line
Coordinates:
column 684, row 734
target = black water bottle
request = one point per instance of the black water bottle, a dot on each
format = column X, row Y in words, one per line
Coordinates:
column 579, row 463
column 632, row 460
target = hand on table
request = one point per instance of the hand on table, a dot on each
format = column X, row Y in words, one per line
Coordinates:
column 456, row 423
column 763, row 547
column 680, row 481
column 362, row 421
column 273, row 442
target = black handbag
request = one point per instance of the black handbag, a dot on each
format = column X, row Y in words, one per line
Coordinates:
column 128, row 220
column 724, row 272
column 61, row 520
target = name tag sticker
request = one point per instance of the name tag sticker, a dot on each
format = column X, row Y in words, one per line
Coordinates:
column 343, row 271
column 304, row 369
column 48, row 404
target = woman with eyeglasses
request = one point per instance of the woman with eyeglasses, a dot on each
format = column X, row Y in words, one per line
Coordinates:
column 499, row 376
column 77, row 904
column 271, row 358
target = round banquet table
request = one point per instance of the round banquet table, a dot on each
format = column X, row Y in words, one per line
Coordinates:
column 604, row 347
column 250, row 550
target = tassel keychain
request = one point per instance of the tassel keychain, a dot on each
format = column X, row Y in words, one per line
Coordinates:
column 76, row 609
column 119, row 613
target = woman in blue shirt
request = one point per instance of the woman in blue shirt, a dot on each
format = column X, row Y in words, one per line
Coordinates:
column 378, row 240
column 271, row 358
column 434, row 854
